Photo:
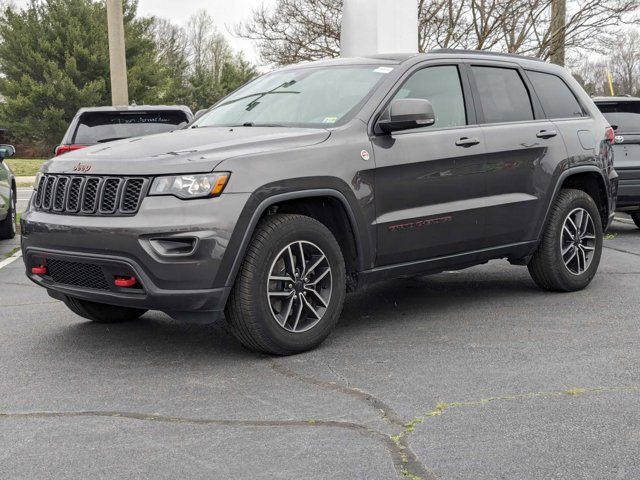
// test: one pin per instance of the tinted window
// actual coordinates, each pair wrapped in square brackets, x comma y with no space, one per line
[441,86]
[558,101]
[99,127]
[626,115]
[503,95]
[321,96]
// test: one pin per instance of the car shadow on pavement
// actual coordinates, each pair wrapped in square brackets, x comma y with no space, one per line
[410,301]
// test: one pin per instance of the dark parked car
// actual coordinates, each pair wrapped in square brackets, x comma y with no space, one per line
[96,125]
[322,178]
[8,195]
[623,113]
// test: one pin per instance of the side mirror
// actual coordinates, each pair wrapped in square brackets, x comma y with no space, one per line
[6,151]
[405,114]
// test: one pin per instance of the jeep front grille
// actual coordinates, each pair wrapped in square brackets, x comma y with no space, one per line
[90,195]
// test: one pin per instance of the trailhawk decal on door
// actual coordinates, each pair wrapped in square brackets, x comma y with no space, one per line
[420,223]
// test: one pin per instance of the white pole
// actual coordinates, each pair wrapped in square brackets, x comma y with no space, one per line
[117,54]
[379,26]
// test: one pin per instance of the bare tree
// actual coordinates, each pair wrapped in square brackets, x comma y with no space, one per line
[298,30]
[624,62]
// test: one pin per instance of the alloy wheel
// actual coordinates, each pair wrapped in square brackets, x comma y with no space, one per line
[578,241]
[299,286]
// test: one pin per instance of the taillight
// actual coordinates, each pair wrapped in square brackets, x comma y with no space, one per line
[62,149]
[610,134]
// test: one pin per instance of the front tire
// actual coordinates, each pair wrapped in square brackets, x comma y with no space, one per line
[101,313]
[290,290]
[8,225]
[635,216]
[569,254]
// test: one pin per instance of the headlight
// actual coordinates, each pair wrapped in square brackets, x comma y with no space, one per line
[191,186]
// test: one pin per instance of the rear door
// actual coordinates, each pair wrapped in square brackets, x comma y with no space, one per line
[426,185]
[522,151]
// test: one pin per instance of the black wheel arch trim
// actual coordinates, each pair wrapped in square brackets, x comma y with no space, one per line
[569,172]
[262,200]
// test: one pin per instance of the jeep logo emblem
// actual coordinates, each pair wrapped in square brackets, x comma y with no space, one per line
[82,168]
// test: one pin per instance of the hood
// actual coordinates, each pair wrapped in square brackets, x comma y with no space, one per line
[195,150]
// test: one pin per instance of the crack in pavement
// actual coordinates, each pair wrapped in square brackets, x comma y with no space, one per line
[409,466]
[402,462]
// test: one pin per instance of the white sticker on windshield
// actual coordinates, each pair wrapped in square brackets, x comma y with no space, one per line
[383,70]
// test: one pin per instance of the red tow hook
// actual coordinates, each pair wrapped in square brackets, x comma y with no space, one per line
[39,270]
[125,282]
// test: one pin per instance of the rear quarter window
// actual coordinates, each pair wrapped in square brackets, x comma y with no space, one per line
[557,99]
[101,127]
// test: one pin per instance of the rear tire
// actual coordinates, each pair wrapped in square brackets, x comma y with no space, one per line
[273,309]
[102,313]
[8,225]
[568,255]
[635,216]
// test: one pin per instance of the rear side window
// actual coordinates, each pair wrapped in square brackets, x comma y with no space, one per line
[503,95]
[624,115]
[101,127]
[558,101]
[441,86]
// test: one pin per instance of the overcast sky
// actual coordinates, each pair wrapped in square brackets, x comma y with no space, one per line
[226,13]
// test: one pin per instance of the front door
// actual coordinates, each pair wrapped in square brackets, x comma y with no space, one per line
[427,181]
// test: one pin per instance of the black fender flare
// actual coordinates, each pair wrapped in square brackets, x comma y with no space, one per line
[569,172]
[229,272]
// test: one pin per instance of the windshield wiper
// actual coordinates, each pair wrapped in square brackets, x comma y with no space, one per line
[106,140]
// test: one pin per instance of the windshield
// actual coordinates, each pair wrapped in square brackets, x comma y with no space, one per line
[306,97]
[625,115]
[101,127]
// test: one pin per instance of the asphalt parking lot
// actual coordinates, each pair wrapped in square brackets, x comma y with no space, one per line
[468,375]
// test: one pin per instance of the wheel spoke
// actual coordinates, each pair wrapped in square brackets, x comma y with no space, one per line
[292,262]
[567,249]
[281,278]
[281,294]
[315,265]
[568,261]
[287,312]
[308,305]
[303,261]
[318,297]
[320,277]
[298,314]
[575,228]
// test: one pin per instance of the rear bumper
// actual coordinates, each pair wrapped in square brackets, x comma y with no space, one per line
[89,252]
[628,189]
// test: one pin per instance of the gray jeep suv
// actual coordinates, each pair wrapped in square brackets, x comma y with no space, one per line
[321,178]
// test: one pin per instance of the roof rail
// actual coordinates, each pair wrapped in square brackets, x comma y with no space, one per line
[484,52]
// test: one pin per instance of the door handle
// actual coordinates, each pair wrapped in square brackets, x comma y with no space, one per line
[546,134]
[467,142]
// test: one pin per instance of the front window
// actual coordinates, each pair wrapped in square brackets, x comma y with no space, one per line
[305,97]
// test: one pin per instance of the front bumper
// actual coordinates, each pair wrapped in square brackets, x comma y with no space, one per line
[89,252]
[628,189]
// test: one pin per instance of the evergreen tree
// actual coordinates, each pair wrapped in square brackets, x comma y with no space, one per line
[54,57]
